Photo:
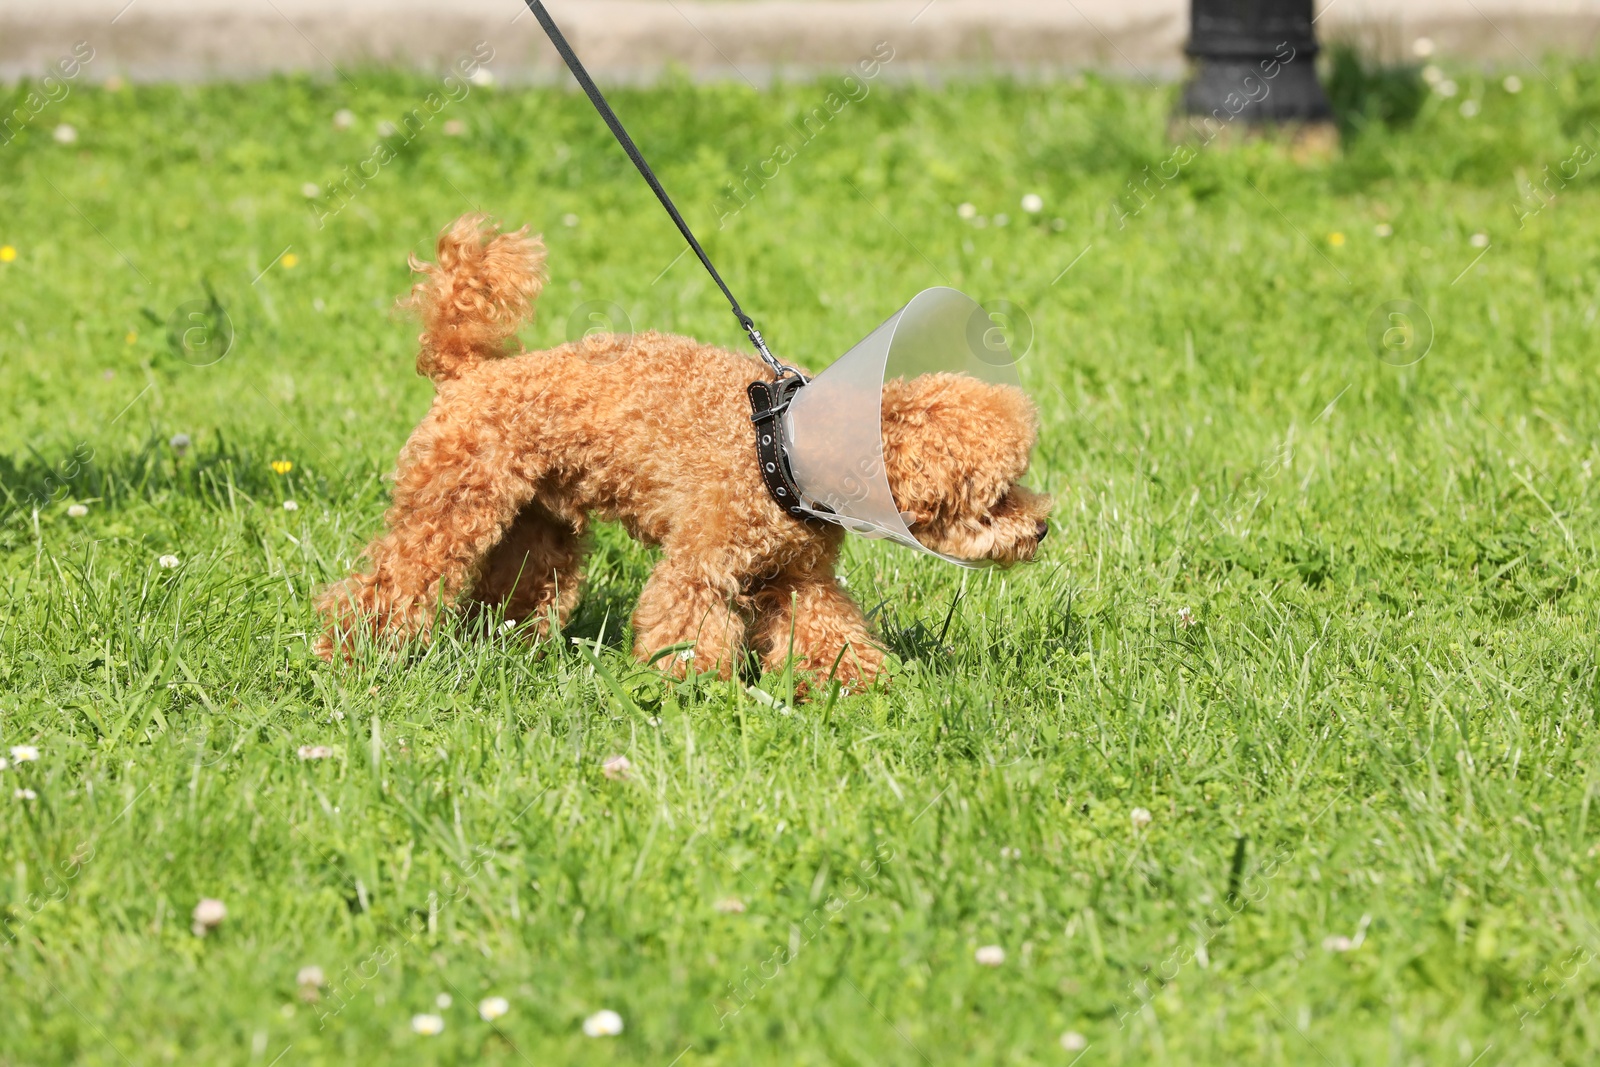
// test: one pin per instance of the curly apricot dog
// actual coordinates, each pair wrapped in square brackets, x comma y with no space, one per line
[521,450]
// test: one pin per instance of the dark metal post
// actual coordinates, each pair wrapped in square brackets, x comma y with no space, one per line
[1254,62]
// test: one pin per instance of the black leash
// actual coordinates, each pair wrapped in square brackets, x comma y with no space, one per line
[599,101]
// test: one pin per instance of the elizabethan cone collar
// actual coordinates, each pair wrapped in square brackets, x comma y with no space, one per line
[834,425]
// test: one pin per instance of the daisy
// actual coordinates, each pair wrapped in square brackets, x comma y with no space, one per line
[1033,203]
[343,119]
[310,976]
[1383,229]
[66,134]
[1338,943]
[1479,240]
[967,211]
[387,129]
[290,505]
[25,794]
[729,906]
[569,220]
[455,128]
[208,915]
[1141,818]
[604,1023]
[168,561]
[427,1025]
[1469,109]
[1512,84]
[1073,1041]
[1447,88]
[24,753]
[482,76]
[990,955]
[315,751]
[491,1008]
[1422,47]
[444,1000]
[617,768]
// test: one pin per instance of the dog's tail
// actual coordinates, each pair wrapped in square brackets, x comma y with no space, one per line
[473,299]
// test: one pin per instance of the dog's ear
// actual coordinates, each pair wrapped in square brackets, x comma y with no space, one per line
[953,443]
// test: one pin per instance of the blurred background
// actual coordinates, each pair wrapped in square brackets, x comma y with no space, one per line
[756,39]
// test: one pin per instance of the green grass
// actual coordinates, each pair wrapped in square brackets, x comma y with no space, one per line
[1383,719]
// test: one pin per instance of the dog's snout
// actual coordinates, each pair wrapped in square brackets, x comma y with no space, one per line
[1044,528]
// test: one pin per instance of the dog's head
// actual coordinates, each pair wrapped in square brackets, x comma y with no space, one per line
[954,448]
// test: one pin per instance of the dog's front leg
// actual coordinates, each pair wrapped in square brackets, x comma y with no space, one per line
[683,604]
[806,614]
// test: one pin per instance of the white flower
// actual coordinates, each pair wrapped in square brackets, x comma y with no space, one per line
[1073,1041]
[967,211]
[24,753]
[208,915]
[508,626]
[168,561]
[1512,84]
[179,443]
[310,976]
[3,763]
[491,1008]
[454,128]
[1009,853]
[1001,219]
[603,1023]
[444,1000]
[1479,240]
[77,511]
[1033,203]
[1186,617]
[482,76]
[1422,47]
[25,794]
[66,134]
[427,1025]
[569,220]
[616,768]
[1432,74]
[1447,88]
[990,955]
[1338,943]
[686,655]
[310,190]
[315,751]
[1141,818]
[1383,229]
[729,905]
[343,119]
[387,129]
[290,505]
[1469,109]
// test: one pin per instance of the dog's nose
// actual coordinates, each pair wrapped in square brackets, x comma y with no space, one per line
[1044,528]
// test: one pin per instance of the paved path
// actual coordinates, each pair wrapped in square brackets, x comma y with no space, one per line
[753,39]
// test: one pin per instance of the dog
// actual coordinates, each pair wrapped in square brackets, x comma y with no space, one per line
[521,451]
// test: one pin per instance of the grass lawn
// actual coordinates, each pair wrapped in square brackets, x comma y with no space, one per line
[1310,655]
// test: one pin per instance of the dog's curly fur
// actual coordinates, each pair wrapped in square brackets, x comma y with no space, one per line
[519,452]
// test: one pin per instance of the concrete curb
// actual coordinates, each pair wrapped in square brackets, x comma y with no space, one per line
[757,40]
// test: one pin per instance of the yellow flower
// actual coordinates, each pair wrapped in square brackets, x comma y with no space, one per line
[132,336]
[282,466]
[7,253]
[289,260]
[1336,239]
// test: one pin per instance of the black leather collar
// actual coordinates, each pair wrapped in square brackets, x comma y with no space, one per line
[768,401]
